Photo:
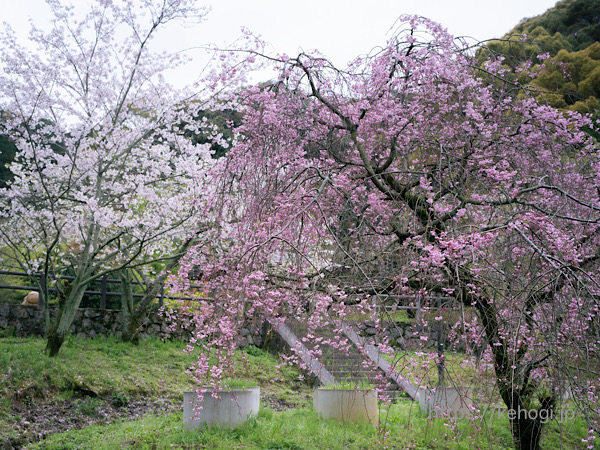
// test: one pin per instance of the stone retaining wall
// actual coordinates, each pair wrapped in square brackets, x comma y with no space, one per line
[91,322]
[403,334]
[88,323]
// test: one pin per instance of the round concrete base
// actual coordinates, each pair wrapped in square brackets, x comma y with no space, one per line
[347,405]
[447,400]
[233,408]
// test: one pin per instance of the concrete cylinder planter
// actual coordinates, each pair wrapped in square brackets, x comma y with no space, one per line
[448,400]
[347,405]
[234,407]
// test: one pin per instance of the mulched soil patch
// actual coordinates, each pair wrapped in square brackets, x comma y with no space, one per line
[39,420]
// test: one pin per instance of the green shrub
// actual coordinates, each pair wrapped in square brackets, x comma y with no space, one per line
[118,399]
[89,406]
[8,332]
[254,351]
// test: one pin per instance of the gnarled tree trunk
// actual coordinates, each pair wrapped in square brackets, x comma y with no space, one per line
[133,316]
[58,330]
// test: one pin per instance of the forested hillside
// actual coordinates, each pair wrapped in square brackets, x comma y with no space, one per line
[575,23]
[561,49]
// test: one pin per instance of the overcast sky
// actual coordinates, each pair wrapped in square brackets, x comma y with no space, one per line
[340,29]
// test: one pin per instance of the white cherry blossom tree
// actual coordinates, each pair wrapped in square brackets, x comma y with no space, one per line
[104,177]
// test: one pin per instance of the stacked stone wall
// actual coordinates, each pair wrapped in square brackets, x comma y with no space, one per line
[405,335]
[88,322]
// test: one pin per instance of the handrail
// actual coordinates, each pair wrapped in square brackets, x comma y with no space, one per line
[103,293]
[314,366]
[374,355]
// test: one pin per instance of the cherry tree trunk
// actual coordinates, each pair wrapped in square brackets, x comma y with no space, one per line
[131,332]
[58,331]
[526,433]
[130,320]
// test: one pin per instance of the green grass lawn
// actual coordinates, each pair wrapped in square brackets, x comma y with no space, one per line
[105,367]
[421,368]
[403,427]
[90,372]
[100,365]
[117,372]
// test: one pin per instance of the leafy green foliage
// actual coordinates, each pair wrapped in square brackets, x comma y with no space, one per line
[13,295]
[119,399]
[578,21]
[223,122]
[88,406]
[8,332]
[569,33]
[539,40]
[252,350]
[571,25]
[571,80]
[7,155]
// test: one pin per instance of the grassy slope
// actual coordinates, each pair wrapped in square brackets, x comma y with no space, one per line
[97,365]
[113,371]
[156,369]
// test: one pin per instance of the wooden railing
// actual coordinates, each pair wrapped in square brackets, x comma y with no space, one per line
[103,292]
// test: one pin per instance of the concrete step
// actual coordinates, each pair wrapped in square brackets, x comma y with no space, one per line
[351,379]
[347,367]
[394,396]
[354,356]
[341,362]
[341,374]
[337,366]
[343,367]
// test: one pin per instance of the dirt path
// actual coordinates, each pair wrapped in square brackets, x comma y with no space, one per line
[39,420]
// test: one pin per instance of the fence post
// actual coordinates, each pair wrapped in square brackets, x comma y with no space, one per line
[161,299]
[103,292]
[375,308]
[42,296]
[441,365]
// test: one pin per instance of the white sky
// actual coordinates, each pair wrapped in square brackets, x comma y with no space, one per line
[343,29]
[340,29]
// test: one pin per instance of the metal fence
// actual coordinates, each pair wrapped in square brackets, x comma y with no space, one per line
[410,303]
[104,293]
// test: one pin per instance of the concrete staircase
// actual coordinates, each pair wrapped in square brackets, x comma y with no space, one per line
[334,366]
